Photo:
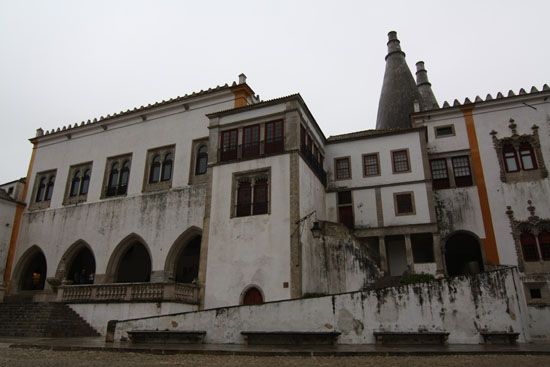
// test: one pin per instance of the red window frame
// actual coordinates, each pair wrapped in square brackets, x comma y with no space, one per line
[228,145]
[274,137]
[529,247]
[251,141]
[440,182]
[526,150]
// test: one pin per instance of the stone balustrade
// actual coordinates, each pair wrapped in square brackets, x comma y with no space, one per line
[129,292]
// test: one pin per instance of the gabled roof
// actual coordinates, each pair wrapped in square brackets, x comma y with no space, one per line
[4,196]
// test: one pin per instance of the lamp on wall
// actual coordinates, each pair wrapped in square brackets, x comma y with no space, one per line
[316,229]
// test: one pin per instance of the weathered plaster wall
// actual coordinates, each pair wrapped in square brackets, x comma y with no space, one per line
[422,210]
[539,322]
[461,306]
[458,209]
[99,314]
[158,218]
[364,208]
[7,214]
[252,250]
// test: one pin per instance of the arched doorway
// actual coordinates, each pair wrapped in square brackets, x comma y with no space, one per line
[187,264]
[252,296]
[463,254]
[134,265]
[81,269]
[33,273]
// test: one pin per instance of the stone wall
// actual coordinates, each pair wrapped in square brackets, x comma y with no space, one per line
[461,306]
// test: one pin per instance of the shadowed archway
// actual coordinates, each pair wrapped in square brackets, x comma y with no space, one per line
[130,262]
[252,295]
[77,265]
[30,272]
[182,261]
[463,254]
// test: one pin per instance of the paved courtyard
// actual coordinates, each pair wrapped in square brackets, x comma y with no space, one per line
[14,357]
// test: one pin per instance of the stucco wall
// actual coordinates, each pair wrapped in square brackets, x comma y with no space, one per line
[251,250]
[461,306]
[7,214]
[158,218]
[99,314]
[459,209]
[539,322]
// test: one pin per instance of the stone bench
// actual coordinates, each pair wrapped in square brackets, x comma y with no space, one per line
[499,337]
[290,337]
[166,336]
[415,337]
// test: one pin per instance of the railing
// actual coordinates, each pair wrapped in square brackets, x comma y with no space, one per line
[129,292]
[251,150]
[314,164]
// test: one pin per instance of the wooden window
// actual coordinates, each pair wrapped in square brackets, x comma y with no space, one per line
[345,209]
[443,131]
[78,183]
[252,297]
[41,190]
[527,155]
[343,168]
[544,245]
[510,158]
[244,198]
[251,141]
[529,247]
[167,165]
[260,196]
[535,293]
[371,165]
[201,164]
[462,171]
[404,203]
[440,174]
[49,188]
[400,161]
[154,171]
[229,146]
[274,137]
[117,173]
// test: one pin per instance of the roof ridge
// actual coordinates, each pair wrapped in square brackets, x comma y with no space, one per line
[139,109]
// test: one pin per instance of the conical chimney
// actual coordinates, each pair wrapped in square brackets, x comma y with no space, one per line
[425,87]
[399,91]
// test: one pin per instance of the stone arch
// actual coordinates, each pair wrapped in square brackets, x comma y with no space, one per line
[182,260]
[252,295]
[77,257]
[31,270]
[130,261]
[463,253]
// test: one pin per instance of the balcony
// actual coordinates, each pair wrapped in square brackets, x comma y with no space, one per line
[251,150]
[129,292]
[314,164]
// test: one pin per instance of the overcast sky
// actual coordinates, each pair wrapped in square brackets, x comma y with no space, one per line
[63,62]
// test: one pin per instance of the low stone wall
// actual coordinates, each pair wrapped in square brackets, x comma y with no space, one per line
[462,306]
[98,314]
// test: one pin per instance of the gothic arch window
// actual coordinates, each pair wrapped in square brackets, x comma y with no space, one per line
[251,193]
[544,245]
[117,175]
[201,164]
[78,184]
[159,166]
[43,190]
[252,296]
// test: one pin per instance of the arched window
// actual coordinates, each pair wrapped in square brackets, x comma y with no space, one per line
[544,244]
[124,176]
[167,168]
[253,296]
[113,180]
[49,188]
[154,173]
[85,183]
[527,155]
[529,247]
[510,158]
[75,184]
[41,190]
[202,160]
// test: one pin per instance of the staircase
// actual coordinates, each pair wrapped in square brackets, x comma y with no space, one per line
[42,320]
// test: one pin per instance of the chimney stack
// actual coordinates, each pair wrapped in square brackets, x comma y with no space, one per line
[242,79]
[39,132]
[425,87]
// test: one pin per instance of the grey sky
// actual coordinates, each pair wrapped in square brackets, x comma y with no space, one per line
[63,62]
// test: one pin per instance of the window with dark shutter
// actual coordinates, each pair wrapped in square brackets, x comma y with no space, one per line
[345,209]
[404,203]
[462,171]
[529,247]
[440,175]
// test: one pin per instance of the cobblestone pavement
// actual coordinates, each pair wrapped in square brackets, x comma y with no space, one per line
[36,357]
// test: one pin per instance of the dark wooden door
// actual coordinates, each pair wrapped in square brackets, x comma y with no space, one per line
[253,297]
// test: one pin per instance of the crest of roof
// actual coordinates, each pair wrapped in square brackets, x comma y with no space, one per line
[357,135]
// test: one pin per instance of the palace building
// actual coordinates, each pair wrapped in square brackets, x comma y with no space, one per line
[218,198]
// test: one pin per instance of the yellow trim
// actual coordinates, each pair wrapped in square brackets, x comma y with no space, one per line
[489,242]
[17,223]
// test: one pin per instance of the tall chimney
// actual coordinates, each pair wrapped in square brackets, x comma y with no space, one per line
[242,78]
[425,87]
[399,91]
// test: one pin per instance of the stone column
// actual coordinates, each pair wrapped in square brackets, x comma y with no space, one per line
[383,255]
[409,252]
[438,255]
